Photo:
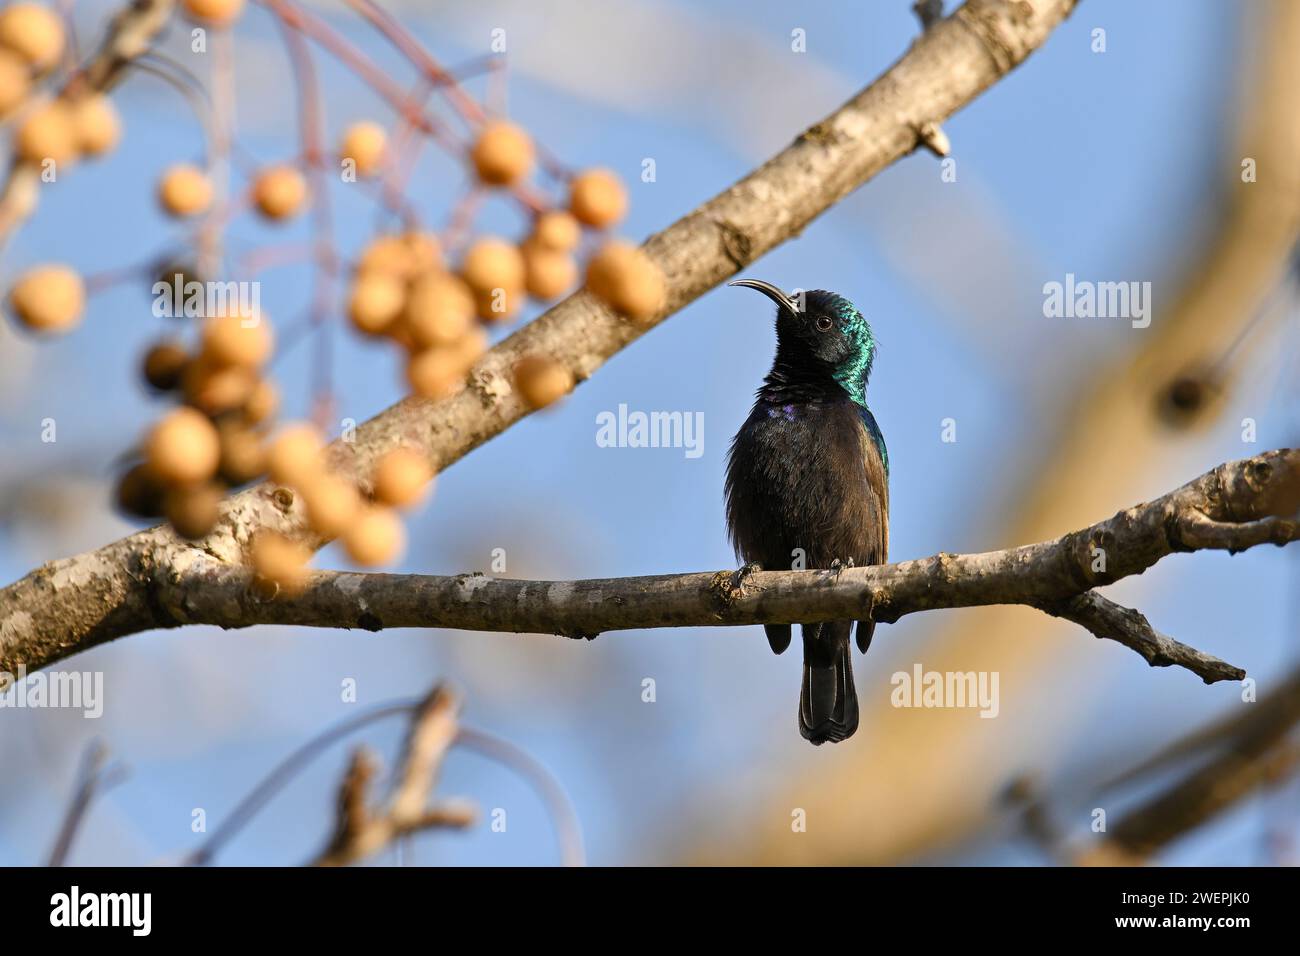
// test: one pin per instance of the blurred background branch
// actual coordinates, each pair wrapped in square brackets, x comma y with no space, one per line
[363,825]
[363,828]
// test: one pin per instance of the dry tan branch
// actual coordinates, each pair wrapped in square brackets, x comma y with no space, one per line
[363,829]
[1246,502]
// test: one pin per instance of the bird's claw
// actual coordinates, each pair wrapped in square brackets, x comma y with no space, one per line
[730,588]
[839,566]
[742,574]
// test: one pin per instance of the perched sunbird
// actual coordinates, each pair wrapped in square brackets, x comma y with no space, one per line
[808,483]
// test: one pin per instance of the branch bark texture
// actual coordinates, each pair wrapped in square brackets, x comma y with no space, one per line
[1236,506]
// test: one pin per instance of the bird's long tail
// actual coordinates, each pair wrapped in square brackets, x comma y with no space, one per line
[828,702]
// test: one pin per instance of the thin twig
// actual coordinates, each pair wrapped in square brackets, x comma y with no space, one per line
[93,778]
[560,808]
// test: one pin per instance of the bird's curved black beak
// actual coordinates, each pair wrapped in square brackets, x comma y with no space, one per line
[771,291]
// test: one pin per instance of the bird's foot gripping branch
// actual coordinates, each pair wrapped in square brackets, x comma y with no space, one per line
[73,604]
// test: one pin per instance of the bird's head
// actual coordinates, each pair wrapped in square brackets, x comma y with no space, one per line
[820,333]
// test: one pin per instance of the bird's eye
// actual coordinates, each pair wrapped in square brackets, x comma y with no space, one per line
[824,323]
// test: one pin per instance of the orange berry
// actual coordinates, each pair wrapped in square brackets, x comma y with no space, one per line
[627,279]
[98,129]
[15,81]
[558,230]
[547,272]
[541,380]
[503,154]
[242,456]
[262,403]
[424,252]
[164,365]
[439,310]
[375,537]
[400,478]
[332,504]
[403,256]
[139,493]
[214,388]
[48,133]
[246,341]
[280,192]
[401,335]
[376,302]
[183,448]
[492,263]
[33,32]
[471,348]
[185,190]
[365,144]
[436,372]
[597,198]
[386,254]
[48,298]
[606,269]
[280,561]
[499,305]
[193,510]
[296,455]
[216,12]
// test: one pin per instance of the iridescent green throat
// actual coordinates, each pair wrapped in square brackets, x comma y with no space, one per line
[852,373]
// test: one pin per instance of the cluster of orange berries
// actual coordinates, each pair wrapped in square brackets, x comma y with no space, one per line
[278,192]
[218,439]
[371,532]
[48,298]
[63,129]
[402,289]
[215,440]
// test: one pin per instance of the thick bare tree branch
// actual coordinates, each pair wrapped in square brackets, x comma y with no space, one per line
[1248,502]
[75,603]
[1243,501]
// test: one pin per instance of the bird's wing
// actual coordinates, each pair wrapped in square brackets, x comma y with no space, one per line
[876,502]
[877,461]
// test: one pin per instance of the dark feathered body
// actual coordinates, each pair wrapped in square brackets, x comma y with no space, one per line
[808,477]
